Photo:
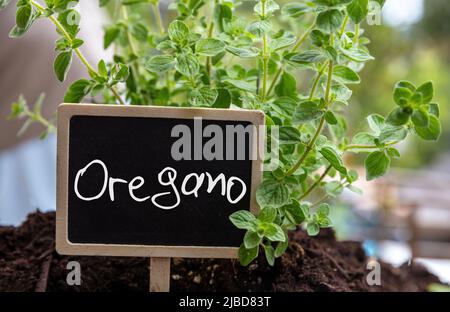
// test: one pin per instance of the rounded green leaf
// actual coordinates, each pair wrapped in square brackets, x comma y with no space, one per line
[294,212]
[251,239]
[259,28]
[330,20]
[160,63]
[61,65]
[223,99]
[345,75]
[313,228]
[306,111]
[270,254]
[243,219]
[274,232]
[287,86]
[178,31]
[272,193]
[295,9]
[427,92]
[399,116]
[281,248]
[77,91]
[209,47]
[333,158]
[358,10]
[246,256]
[187,65]
[377,164]
[392,133]
[204,96]
[24,15]
[420,118]
[267,214]
[289,135]
[432,132]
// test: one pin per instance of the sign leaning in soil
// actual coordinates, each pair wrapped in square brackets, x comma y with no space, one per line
[153,181]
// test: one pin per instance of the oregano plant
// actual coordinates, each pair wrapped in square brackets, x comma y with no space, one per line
[214,55]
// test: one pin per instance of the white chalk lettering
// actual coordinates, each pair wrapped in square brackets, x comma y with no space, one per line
[191,184]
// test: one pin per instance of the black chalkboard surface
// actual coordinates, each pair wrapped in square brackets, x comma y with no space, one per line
[121,191]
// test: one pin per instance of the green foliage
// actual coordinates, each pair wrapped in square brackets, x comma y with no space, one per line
[209,56]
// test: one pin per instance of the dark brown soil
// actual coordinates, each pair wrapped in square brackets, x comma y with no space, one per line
[28,262]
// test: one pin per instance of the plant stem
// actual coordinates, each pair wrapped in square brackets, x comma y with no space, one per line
[78,52]
[133,50]
[316,83]
[329,79]
[357,34]
[210,34]
[129,38]
[300,41]
[344,26]
[157,13]
[265,56]
[265,68]
[316,184]
[311,143]
[356,146]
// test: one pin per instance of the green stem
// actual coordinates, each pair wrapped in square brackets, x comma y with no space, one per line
[316,83]
[356,146]
[357,34]
[329,79]
[265,56]
[344,26]
[78,52]
[316,184]
[265,69]
[298,44]
[157,14]
[129,38]
[210,34]
[311,143]
[133,50]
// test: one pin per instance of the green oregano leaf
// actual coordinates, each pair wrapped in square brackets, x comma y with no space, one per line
[62,64]
[246,256]
[209,47]
[357,10]
[160,63]
[270,254]
[243,219]
[251,239]
[431,132]
[377,164]
[333,158]
[330,20]
[77,91]
[272,193]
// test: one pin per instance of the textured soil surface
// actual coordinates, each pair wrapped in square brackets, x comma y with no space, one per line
[28,262]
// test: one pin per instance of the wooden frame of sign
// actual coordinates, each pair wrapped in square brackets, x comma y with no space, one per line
[160,255]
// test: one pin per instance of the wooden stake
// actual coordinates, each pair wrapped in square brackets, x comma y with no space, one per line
[159,274]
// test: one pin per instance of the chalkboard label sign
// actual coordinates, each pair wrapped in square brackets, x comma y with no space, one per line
[154,181]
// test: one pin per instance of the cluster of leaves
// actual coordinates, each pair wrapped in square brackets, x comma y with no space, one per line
[210,56]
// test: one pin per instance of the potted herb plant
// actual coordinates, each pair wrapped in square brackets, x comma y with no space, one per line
[213,55]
